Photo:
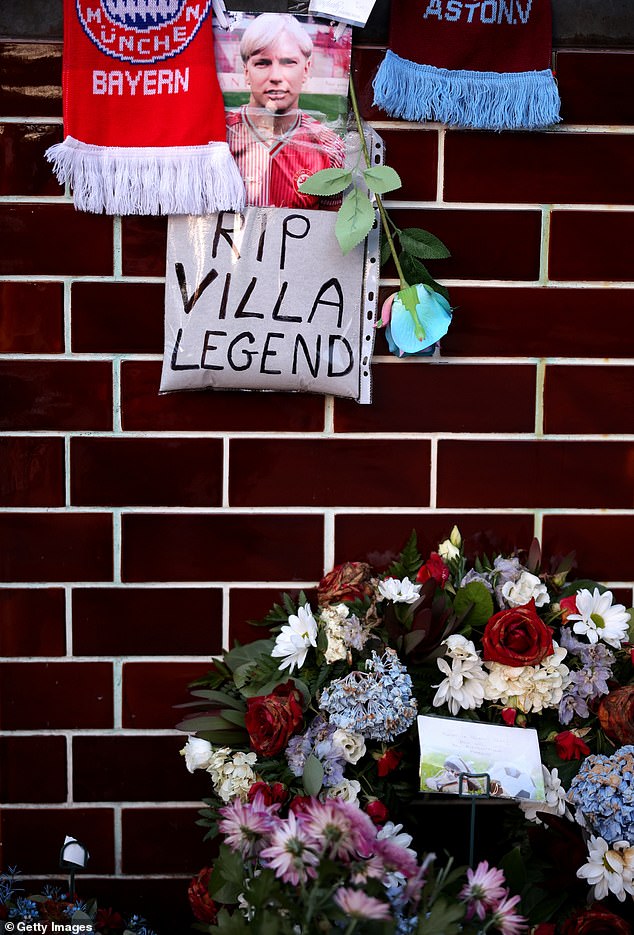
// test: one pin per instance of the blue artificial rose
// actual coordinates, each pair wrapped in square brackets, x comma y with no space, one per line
[417,319]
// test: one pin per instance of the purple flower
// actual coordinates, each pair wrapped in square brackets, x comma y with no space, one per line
[572,703]
[245,825]
[291,853]
[483,890]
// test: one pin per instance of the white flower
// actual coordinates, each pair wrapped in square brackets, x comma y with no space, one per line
[352,746]
[599,619]
[332,619]
[609,870]
[294,640]
[197,753]
[555,803]
[527,586]
[395,833]
[232,777]
[463,686]
[347,790]
[459,647]
[529,688]
[400,592]
[450,548]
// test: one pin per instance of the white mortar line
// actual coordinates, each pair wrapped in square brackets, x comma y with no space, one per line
[117,546]
[68,606]
[117,427]
[329,416]
[117,694]
[433,473]
[538,525]
[329,540]
[440,169]
[225,471]
[545,244]
[540,379]
[117,249]
[226,617]
[118,839]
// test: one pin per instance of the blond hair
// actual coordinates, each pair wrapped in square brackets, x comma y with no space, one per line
[264,30]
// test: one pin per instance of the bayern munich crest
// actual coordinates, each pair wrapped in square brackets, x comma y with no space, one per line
[142,31]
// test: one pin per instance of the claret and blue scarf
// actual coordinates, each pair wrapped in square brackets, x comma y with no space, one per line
[470,63]
[144,117]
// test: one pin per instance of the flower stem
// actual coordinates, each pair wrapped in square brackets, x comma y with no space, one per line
[385,220]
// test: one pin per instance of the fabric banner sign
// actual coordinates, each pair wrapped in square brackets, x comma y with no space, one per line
[143,113]
[265,301]
[482,64]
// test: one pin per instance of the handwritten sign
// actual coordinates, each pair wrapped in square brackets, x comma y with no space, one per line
[265,300]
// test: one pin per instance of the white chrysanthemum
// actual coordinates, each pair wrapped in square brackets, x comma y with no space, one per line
[399,592]
[347,790]
[197,753]
[598,618]
[294,640]
[463,686]
[459,647]
[233,776]
[527,587]
[555,803]
[529,688]
[609,869]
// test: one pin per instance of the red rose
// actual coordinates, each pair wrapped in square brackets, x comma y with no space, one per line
[272,719]
[596,921]
[568,606]
[202,905]
[509,716]
[347,582]
[270,793]
[434,568]
[388,762]
[570,747]
[517,637]
[377,811]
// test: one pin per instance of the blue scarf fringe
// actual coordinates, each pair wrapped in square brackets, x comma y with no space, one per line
[484,100]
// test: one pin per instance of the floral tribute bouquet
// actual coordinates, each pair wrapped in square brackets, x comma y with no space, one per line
[309,740]
[37,912]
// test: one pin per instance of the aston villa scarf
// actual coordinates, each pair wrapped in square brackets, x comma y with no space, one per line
[470,63]
[144,119]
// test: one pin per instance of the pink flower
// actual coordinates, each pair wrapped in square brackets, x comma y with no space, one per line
[506,920]
[245,824]
[331,829]
[483,890]
[358,905]
[291,853]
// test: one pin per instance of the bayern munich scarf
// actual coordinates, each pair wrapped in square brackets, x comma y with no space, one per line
[470,63]
[144,119]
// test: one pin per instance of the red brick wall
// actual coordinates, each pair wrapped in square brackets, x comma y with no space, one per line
[139,532]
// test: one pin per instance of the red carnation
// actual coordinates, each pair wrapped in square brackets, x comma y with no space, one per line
[272,719]
[202,905]
[277,792]
[570,747]
[298,804]
[388,762]
[568,606]
[377,811]
[434,568]
[517,637]
[347,582]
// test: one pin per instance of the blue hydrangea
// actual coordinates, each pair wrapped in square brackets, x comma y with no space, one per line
[603,791]
[378,704]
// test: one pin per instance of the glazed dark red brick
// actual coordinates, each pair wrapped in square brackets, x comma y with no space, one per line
[539,167]
[146,471]
[379,538]
[217,548]
[602,544]
[484,244]
[253,604]
[580,399]
[490,321]
[540,474]
[32,622]
[117,317]
[163,840]
[31,79]
[54,239]
[129,621]
[32,316]
[417,175]
[143,241]
[31,471]
[430,396]
[23,168]
[365,63]
[328,472]
[114,769]
[22,759]
[151,690]
[20,828]
[55,394]
[591,245]
[55,695]
[55,547]
[595,86]
[212,411]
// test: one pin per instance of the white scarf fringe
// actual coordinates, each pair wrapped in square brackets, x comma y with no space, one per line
[149,180]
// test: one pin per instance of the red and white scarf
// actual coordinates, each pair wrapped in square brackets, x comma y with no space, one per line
[144,118]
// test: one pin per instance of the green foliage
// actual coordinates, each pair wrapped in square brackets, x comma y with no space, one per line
[327,182]
[313,776]
[381,179]
[421,243]
[408,562]
[444,918]
[473,604]
[355,220]
[415,272]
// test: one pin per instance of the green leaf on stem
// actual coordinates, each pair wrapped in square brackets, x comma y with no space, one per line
[473,604]
[313,775]
[414,271]
[327,182]
[421,243]
[382,179]
[354,220]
